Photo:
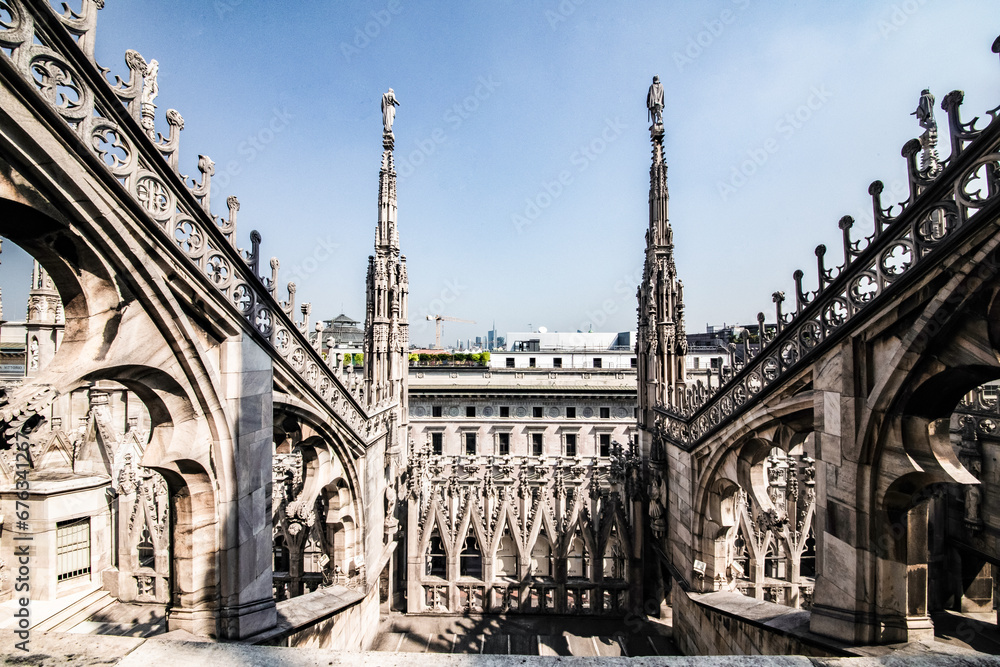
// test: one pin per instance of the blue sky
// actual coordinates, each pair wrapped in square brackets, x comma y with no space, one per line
[522,141]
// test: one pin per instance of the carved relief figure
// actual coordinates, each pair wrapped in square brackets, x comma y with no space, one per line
[150,89]
[973,496]
[33,355]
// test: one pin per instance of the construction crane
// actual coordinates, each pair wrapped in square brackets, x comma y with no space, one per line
[438,319]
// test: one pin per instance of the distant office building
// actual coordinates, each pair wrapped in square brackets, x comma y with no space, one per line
[570,350]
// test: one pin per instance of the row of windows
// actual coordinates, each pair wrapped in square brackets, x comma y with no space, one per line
[537,412]
[695,362]
[557,362]
[502,444]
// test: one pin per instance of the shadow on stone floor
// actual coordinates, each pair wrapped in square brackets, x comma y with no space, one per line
[523,635]
[967,630]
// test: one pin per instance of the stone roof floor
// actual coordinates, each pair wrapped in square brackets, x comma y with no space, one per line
[178,648]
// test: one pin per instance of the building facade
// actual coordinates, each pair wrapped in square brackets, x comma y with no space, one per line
[519,490]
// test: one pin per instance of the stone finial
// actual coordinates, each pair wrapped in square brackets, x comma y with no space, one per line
[850,247]
[306,309]
[136,62]
[275,265]
[801,298]
[881,215]
[203,190]
[175,118]
[289,306]
[821,271]
[778,298]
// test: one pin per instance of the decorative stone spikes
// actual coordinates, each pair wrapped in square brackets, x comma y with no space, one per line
[903,235]
[203,190]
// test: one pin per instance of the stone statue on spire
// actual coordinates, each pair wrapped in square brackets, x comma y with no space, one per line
[929,163]
[389,104]
[925,110]
[150,88]
[654,102]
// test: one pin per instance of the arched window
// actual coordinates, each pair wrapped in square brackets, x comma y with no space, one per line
[506,563]
[147,555]
[471,559]
[741,555]
[541,557]
[774,562]
[807,563]
[614,557]
[578,558]
[312,556]
[436,560]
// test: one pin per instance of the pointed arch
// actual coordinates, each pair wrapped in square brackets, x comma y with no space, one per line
[507,522]
[577,524]
[471,521]
[615,521]
[470,557]
[543,520]
[435,520]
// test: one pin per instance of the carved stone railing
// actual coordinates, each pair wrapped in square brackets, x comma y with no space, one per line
[946,199]
[116,122]
[587,485]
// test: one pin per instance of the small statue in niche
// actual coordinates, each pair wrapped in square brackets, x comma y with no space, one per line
[973,499]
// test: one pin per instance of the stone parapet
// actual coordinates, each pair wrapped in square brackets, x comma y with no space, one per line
[173,649]
[725,623]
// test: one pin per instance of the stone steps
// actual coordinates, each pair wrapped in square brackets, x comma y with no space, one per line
[125,619]
[76,612]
